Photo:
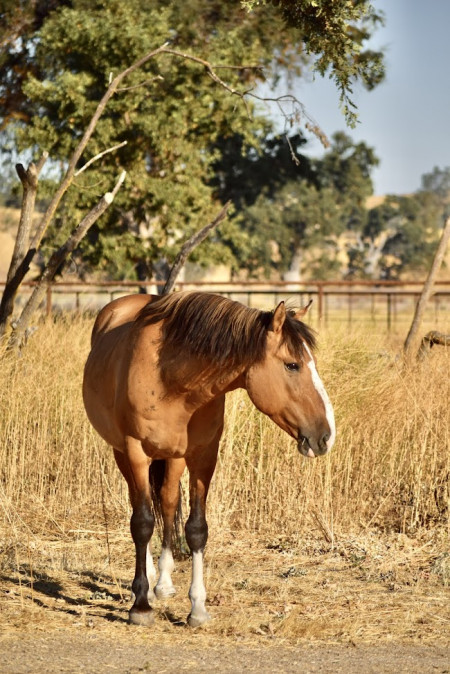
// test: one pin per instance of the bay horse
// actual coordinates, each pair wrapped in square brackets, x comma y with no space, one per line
[154,389]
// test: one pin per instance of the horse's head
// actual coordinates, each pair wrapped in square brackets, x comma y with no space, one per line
[289,390]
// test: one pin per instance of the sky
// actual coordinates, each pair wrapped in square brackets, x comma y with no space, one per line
[406,119]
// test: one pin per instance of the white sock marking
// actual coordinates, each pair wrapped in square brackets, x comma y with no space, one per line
[197,591]
[164,586]
[150,567]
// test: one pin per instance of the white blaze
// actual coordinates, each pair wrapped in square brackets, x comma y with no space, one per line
[320,388]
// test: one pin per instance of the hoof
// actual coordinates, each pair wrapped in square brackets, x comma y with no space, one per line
[144,618]
[164,592]
[198,620]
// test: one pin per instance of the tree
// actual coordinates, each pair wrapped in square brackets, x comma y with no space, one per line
[27,245]
[289,207]
[403,231]
[438,182]
[334,32]
[172,118]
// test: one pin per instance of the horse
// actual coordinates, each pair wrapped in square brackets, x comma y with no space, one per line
[154,389]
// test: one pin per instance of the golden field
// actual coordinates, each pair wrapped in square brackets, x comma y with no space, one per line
[351,547]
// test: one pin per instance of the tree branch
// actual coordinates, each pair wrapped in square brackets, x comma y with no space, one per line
[69,175]
[295,116]
[58,259]
[430,339]
[189,246]
[29,179]
[98,156]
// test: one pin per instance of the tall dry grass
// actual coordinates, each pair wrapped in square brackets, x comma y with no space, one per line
[389,469]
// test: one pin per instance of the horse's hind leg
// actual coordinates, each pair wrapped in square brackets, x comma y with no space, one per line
[135,468]
[169,497]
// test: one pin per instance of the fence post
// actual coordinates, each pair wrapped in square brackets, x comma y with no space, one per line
[320,301]
[48,309]
[389,312]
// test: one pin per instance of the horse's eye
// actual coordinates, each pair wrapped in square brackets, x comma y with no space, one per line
[292,367]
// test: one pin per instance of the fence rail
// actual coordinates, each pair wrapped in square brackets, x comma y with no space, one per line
[333,300]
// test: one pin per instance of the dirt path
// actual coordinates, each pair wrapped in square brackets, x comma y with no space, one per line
[89,653]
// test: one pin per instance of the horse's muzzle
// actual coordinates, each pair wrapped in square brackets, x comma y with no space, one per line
[311,447]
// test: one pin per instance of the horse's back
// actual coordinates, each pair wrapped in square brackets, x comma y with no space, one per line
[119,312]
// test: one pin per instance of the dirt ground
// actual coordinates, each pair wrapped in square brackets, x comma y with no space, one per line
[367,604]
[78,652]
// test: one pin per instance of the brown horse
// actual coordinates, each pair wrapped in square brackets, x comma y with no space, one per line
[154,388]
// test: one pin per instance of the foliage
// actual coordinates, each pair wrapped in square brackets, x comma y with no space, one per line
[59,57]
[304,205]
[334,32]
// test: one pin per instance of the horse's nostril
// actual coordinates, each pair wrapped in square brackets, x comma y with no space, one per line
[323,440]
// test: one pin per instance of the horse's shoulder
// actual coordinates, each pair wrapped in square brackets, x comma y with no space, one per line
[119,312]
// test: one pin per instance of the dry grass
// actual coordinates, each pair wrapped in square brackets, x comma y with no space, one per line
[350,547]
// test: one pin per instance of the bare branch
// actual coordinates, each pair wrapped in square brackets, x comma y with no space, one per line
[299,110]
[57,260]
[189,246]
[208,67]
[111,90]
[29,179]
[141,84]
[430,339]
[68,178]
[294,157]
[98,156]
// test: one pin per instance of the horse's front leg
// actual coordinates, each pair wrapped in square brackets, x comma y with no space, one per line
[125,468]
[142,524]
[169,498]
[201,468]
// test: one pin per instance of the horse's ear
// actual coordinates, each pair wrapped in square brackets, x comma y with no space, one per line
[278,318]
[299,313]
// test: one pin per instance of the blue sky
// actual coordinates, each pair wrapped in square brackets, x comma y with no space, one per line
[407,118]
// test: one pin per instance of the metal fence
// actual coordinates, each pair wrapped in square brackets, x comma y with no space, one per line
[387,304]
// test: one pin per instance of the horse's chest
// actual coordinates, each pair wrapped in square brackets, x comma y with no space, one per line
[162,433]
[170,430]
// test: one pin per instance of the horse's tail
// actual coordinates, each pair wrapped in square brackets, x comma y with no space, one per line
[156,475]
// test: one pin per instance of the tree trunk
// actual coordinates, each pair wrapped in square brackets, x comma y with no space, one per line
[426,291]
[16,273]
[293,274]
